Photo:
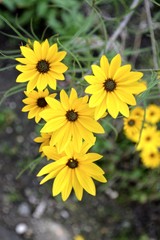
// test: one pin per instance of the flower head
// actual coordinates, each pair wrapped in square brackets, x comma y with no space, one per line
[70,118]
[36,103]
[149,139]
[138,112]
[41,65]
[44,140]
[153,114]
[132,127]
[151,158]
[72,170]
[113,87]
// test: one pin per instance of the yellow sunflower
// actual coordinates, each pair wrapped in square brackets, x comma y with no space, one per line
[36,103]
[42,65]
[153,113]
[70,118]
[151,158]
[72,169]
[149,139]
[132,127]
[113,87]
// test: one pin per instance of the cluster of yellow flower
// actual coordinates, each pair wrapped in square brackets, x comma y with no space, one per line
[70,122]
[142,128]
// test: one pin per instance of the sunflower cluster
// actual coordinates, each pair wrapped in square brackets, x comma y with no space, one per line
[141,127]
[70,122]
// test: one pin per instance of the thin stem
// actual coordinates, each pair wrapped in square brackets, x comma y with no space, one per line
[153,42]
[122,25]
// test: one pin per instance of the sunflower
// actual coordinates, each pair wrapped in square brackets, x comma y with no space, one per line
[113,87]
[41,65]
[35,103]
[149,139]
[72,169]
[153,114]
[132,127]
[70,118]
[151,158]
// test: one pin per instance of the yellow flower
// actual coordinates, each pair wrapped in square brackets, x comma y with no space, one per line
[149,139]
[36,103]
[138,112]
[70,118]
[153,114]
[132,127]
[44,139]
[79,237]
[151,158]
[72,169]
[41,65]
[113,87]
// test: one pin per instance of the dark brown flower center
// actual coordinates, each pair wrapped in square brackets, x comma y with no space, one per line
[148,138]
[152,113]
[71,115]
[41,102]
[72,163]
[42,66]
[109,85]
[152,155]
[131,122]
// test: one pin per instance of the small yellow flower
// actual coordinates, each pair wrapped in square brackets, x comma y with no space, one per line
[138,112]
[113,87]
[72,169]
[70,118]
[132,127]
[44,139]
[149,139]
[36,103]
[79,237]
[150,158]
[153,114]
[42,65]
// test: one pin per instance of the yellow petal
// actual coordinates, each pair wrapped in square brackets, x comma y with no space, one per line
[85,181]
[114,65]
[93,88]
[123,108]
[59,56]
[29,54]
[125,96]
[100,109]
[52,52]
[91,124]
[68,185]
[121,71]
[100,75]
[37,50]
[77,187]
[54,124]
[41,82]
[45,49]
[112,104]
[97,98]
[104,64]
[99,178]
[59,182]
[31,85]
[58,67]
[91,79]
